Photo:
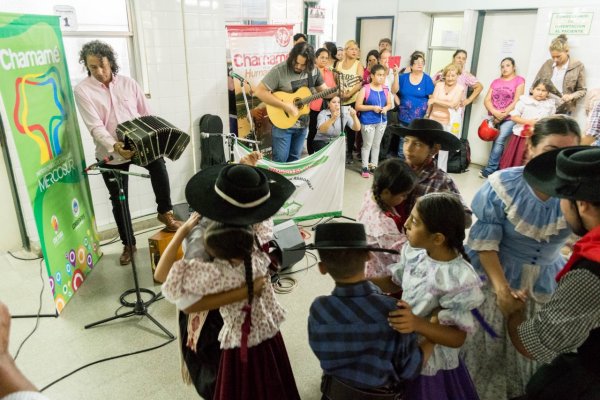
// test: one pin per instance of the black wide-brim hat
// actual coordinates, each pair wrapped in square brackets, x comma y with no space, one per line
[342,236]
[428,130]
[237,194]
[569,173]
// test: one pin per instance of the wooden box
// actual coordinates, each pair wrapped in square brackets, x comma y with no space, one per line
[157,244]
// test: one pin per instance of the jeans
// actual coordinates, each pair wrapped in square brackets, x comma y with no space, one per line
[372,134]
[160,185]
[288,143]
[506,128]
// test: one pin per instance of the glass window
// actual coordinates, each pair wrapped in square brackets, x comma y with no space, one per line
[446,31]
[438,59]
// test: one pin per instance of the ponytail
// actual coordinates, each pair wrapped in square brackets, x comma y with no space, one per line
[249,278]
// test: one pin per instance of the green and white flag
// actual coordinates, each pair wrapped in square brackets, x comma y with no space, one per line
[319,181]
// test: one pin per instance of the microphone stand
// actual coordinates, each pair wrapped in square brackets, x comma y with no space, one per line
[248,115]
[139,307]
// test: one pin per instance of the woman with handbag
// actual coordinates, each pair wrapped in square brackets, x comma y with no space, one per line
[444,106]
[500,100]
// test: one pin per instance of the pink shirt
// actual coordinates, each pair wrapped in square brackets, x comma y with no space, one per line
[467,80]
[381,232]
[440,113]
[503,91]
[103,108]
[329,79]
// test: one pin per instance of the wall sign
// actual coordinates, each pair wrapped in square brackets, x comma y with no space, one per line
[571,23]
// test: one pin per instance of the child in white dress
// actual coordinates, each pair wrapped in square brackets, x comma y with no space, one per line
[440,288]
[527,111]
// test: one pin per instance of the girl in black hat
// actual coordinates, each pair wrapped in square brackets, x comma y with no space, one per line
[254,362]
[235,194]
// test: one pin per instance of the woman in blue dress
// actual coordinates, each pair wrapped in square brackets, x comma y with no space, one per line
[515,244]
[414,89]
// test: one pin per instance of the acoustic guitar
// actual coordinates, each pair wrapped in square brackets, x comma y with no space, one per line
[301,98]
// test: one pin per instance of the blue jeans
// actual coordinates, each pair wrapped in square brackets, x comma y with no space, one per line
[288,143]
[496,153]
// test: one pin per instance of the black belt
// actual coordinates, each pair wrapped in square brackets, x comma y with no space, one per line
[334,389]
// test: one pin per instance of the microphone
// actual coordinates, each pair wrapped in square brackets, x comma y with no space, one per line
[102,163]
[206,135]
[236,76]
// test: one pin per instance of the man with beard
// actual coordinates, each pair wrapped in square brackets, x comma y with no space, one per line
[565,333]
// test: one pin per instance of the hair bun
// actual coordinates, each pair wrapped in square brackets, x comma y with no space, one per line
[562,37]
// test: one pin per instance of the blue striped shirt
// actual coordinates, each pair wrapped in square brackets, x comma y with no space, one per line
[350,335]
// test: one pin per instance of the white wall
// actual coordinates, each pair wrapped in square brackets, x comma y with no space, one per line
[413,25]
[184,46]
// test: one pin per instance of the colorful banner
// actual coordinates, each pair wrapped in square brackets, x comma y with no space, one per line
[253,51]
[319,181]
[39,117]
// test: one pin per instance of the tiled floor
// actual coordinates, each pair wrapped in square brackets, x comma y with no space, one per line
[60,345]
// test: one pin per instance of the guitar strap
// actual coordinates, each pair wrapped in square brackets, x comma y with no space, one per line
[311,82]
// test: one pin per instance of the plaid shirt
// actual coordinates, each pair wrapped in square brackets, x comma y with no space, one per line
[565,322]
[430,179]
[350,335]
[593,125]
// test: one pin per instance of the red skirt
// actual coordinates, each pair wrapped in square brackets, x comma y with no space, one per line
[266,376]
[514,152]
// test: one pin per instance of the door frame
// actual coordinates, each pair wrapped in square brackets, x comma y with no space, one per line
[359,24]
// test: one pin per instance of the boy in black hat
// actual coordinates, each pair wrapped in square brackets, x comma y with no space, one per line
[423,139]
[360,354]
[565,333]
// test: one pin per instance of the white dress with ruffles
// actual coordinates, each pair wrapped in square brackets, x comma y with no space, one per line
[428,284]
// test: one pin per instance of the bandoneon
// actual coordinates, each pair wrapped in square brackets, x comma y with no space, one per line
[152,137]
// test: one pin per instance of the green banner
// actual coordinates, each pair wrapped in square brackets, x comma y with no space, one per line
[39,115]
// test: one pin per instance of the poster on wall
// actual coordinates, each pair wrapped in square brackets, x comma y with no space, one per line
[38,112]
[253,51]
[316,21]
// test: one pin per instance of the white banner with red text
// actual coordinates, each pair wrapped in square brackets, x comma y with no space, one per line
[253,51]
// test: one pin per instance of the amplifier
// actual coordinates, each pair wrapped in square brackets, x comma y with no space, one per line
[157,244]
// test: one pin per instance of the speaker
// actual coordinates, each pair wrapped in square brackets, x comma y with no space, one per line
[285,236]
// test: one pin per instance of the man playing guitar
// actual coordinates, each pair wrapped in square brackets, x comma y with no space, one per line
[288,77]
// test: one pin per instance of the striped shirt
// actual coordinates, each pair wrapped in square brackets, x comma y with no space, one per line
[350,335]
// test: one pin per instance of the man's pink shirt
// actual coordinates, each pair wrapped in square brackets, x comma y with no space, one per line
[103,108]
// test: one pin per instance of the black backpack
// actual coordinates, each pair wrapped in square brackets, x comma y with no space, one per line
[459,160]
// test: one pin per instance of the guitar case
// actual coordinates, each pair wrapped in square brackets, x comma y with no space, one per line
[212,151]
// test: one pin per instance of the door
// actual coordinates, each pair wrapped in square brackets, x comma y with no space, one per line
[369,30]
[505,34]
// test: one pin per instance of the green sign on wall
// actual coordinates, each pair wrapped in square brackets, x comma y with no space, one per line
[39,115]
